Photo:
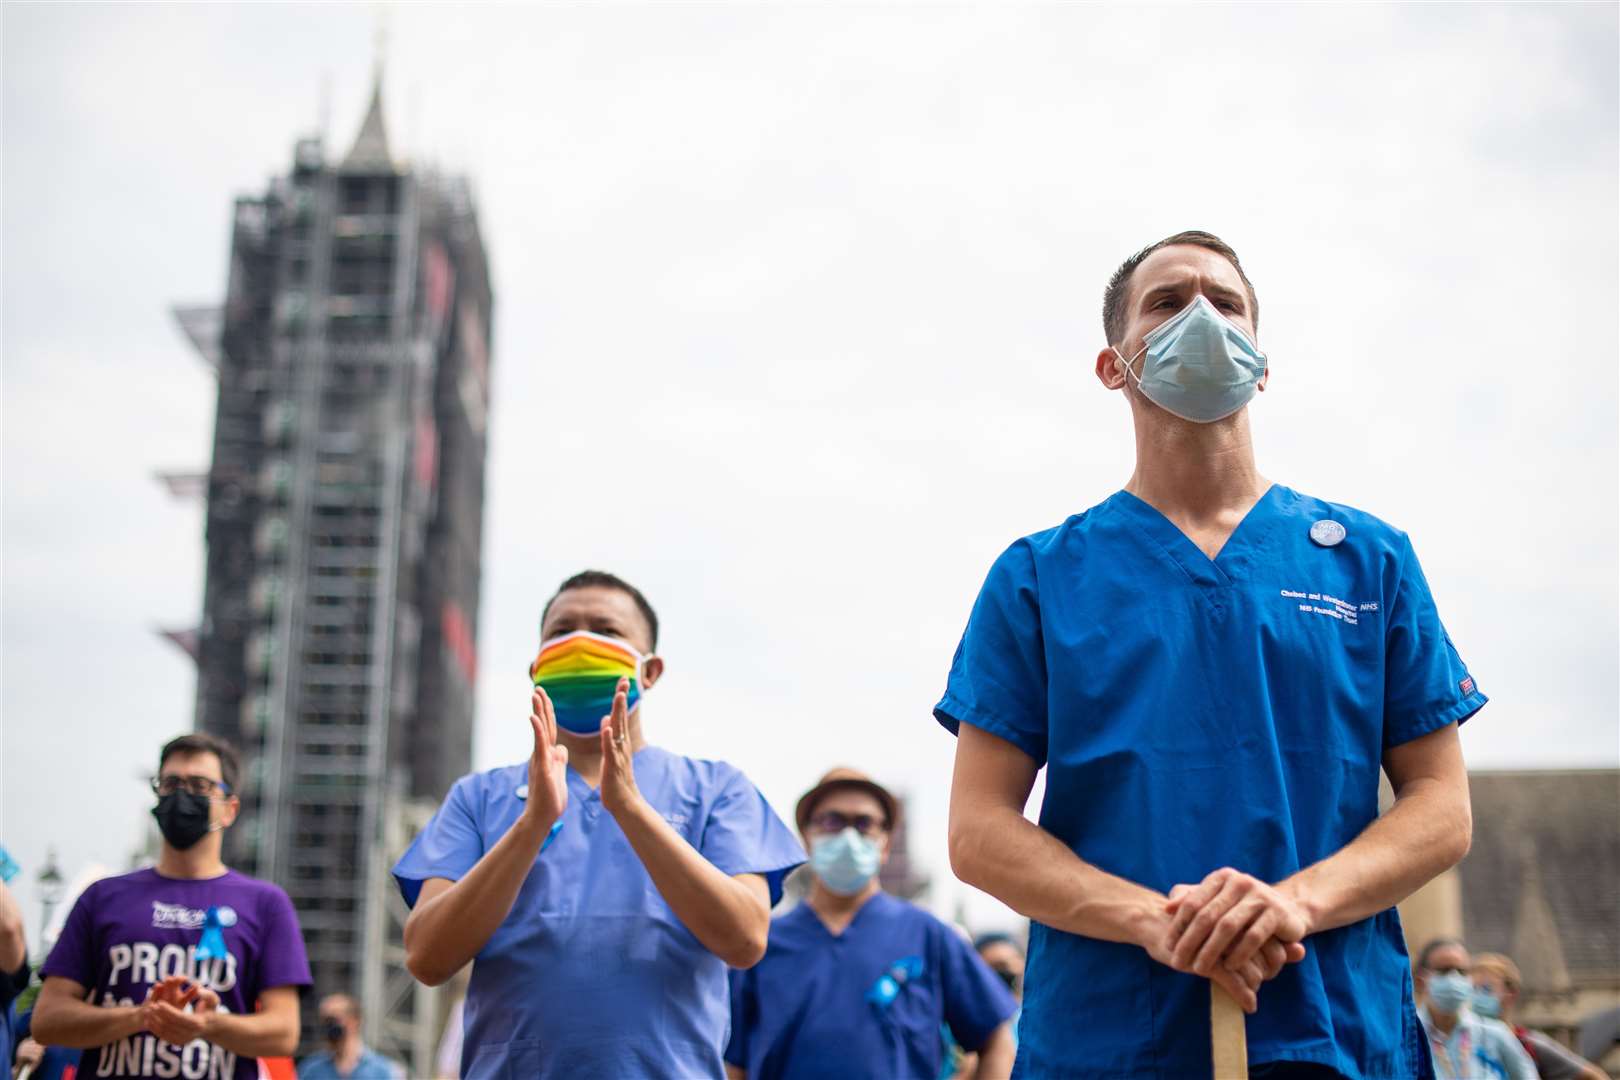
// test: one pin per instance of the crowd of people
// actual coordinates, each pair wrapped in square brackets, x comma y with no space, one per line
[1467,1008]
[1212,669]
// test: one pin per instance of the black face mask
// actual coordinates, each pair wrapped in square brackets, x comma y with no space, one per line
[1007,977]
[335,1031]
[182,818]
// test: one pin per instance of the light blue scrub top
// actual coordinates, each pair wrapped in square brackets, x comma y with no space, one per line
[1194,714]
[592,974]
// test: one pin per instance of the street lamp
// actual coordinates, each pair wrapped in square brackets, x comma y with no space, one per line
[50,891]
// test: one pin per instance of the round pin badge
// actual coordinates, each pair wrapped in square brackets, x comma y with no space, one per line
[1327,532]
[522,791]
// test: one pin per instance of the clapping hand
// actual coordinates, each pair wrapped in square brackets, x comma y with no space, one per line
[165,1014]
[619,791]
[548,766]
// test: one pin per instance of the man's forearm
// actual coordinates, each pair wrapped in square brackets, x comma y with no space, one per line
[13,935]
[1425,833]
[996,1055]
[446,931]
[256,1035]
[721,912]
[72,1023]
[1034,873]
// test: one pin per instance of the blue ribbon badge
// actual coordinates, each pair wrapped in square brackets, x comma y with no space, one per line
[891,982]
[212,945]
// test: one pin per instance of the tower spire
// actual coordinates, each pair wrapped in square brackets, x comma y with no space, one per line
[370,150]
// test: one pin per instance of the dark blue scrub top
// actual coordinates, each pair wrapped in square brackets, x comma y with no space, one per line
[1195,714]
[809,1010]
[591,974]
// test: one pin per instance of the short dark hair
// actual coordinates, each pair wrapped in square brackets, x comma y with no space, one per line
[586,579]
[996,937]
[1436,943]
[1114,315]
[200,742]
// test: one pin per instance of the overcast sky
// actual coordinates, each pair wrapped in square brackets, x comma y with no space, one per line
[796,309]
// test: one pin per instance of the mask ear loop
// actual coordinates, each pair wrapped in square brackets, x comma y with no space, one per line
[1129,374]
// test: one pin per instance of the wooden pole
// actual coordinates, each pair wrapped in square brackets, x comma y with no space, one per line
[1228,1040]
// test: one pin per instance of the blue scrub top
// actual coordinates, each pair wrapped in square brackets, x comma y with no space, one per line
[814,1008]
[592,974]
[1194,714]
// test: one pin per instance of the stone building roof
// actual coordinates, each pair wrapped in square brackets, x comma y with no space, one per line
[1542,882]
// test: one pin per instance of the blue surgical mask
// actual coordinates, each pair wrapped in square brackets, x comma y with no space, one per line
[1450,992]
[1200,365]
[1485,1003]
[845,862]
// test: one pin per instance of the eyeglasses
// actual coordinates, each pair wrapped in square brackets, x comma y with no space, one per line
[169,783]
[831,821]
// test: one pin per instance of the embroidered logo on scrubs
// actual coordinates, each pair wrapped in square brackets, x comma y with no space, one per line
[1318,603]
[1466,686]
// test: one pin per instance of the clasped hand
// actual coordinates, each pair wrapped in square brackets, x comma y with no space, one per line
[1234,929]
[165,1015]
[548,765]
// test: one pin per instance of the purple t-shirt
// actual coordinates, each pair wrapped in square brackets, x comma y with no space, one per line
[129,932]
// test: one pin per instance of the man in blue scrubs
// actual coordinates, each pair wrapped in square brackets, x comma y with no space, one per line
[601,889]
[856,983]
[1212,668]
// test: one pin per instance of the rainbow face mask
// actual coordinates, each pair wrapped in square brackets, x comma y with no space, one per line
[579,673]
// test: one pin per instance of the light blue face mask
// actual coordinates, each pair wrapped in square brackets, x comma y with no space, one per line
[846,862]
[1200,365]
[1485,1003]
[1448,993]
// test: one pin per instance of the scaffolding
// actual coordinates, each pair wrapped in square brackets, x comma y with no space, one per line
[345,505]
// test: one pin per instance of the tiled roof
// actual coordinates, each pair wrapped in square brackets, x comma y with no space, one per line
[1542,882]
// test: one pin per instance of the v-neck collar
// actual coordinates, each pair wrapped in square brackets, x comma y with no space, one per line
[1231,562]
[589,792]
[860,912]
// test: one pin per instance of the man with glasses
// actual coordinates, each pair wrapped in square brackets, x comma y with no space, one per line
[187,968]
[857,983]
[1463,1044]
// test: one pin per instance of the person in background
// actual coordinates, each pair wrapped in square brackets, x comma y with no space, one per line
[1496,994]
[1464,1046]
[131,980]
[346,1056]
[1004,956]
[601,888]
[44,1062]
[857,983]
[14,969]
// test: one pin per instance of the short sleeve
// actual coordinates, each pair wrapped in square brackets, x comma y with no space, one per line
[285,962]
[1426,684]
[737,1045]
[976,1001]
[73,955]
[998,676]
[743,835]
[448,847]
